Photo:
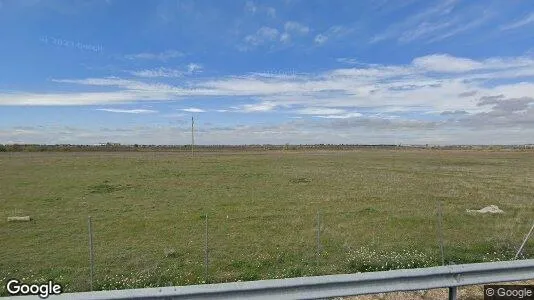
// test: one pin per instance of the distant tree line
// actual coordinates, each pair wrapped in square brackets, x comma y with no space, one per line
[108,147]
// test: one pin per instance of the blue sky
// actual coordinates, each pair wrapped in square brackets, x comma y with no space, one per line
[287,71]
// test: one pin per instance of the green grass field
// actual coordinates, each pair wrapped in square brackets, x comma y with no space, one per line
[377,210]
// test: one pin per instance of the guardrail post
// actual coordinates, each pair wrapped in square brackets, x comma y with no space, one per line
[453,291]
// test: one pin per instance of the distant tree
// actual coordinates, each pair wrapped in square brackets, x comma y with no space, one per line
[16,147]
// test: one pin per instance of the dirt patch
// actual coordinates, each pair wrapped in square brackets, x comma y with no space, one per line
[300,180]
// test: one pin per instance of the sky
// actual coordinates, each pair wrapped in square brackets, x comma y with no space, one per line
[267,72]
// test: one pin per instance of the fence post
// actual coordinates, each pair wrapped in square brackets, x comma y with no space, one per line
[440,232]
[192,135]
[318,235]
[206,252]
[91,255]
[524,242]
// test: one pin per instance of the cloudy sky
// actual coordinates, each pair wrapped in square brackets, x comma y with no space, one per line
[287,71]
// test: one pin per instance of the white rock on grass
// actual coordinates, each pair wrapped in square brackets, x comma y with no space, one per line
[492,209]
[19,219]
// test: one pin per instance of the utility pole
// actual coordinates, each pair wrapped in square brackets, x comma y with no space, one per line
[192,134]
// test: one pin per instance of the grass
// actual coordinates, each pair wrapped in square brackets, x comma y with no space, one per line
[377,210]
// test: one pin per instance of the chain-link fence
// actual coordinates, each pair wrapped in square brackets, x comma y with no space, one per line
[148,251]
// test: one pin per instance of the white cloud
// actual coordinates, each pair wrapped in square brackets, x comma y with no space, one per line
[251,7]
[267,33]
[342,116]
[466,26]
[160,72]
[430,84]
[296,28]
[193,110]
[174,115]
[128,111]
[269,36]
[263,35]
[162,56]
[348,60]
[285,37]
[73,98]
[320,111]
[320,39]
[271,12]
[527,20]
[424,29]
[166,72]
[192,67]
[261,107]
[446,63]
[132,85]
[293,28]
[441,20]
[332,33]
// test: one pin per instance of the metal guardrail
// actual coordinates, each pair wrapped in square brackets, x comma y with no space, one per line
[315,287]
